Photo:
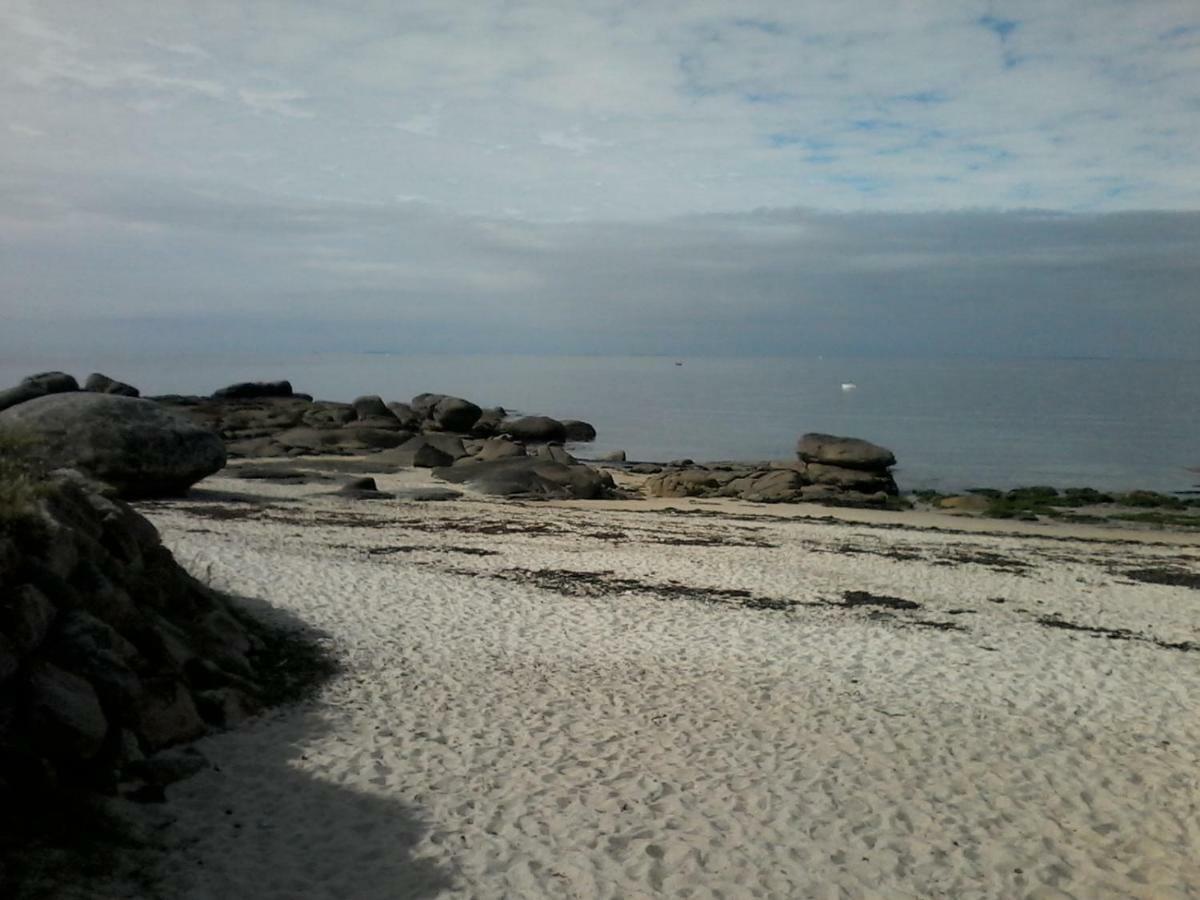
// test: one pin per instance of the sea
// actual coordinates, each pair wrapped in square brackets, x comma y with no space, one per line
[952,423]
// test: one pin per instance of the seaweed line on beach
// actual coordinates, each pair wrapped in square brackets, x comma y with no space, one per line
[1117,634]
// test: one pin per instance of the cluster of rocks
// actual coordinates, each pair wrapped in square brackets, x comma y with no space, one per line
[109,651]
[828,469]
[45,383]
[267,419]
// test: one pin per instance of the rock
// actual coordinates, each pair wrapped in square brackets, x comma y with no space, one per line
[419,452]
[135,445]
[324,414]
[531,477]
[446,413]
[489,421]
[102,384]
[557,453]
[850,453]
[371,407]
[423,404]
[168,715]
[375,438]
[362,489]
[450,444]
[579,432]
[685,483]
[388,423]
[25,618]
[774,486]
[248,390]
[498,448]
[226,706]
[36,386]
[535,429]
[320,440]
[681,463]
[65,714]
[405,415]
[862,480]
[612,456]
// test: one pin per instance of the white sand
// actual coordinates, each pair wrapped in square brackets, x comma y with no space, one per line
[492,737]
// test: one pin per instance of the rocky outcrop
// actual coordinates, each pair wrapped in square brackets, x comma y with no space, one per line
[36,386]
[253,390]
[535,429]
[109,651]
[441,412]
[831,470]
[135,445]
[531,477]
[847,453]
[102,384]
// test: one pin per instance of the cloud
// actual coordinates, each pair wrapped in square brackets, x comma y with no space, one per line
[572,141]
[281,103]
[514,169]
[767,281]
[699,107]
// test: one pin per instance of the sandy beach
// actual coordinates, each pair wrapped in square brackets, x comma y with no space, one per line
[686,699]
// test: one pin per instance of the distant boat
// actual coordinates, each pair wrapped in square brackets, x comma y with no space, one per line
[849,386]
[678,363]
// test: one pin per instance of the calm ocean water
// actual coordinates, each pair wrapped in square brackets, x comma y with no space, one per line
[952,423]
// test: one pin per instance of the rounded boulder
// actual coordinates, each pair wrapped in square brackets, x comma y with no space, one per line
[135,445]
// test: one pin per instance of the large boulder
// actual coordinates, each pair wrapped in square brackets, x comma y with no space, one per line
[405,415]
[578,431]
[36,386]
[134,445]
[498,448]
[249,390]
[530,477]
[102,384]
[535,429]
[326,414]
[371,406]
[446,413]
[65,714]
[850,453]
[489,422]
[866,481]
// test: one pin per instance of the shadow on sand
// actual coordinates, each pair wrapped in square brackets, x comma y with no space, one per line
[251,825]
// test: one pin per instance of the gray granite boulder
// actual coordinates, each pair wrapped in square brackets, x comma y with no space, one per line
[39,385]
[535,429]
[102,384]
[446,413]
[135,445]
[578,431]
[849,453]
[251,390]
[371,406]
[531,477]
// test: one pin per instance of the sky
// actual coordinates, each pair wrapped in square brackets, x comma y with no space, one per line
[712,176]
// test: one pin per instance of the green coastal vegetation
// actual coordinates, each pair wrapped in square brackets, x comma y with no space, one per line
[1078,504]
